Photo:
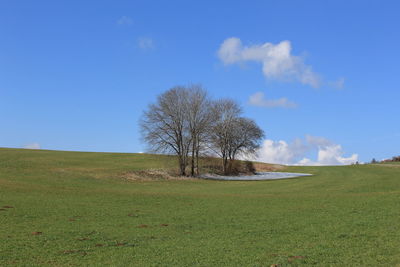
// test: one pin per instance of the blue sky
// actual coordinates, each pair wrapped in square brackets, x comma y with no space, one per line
[320,77]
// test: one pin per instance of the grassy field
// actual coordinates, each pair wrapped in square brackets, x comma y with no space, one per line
[74,208]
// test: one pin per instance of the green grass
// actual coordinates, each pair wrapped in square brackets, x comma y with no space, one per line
[89,215]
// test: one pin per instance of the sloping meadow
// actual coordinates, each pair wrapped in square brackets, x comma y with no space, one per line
[75,208]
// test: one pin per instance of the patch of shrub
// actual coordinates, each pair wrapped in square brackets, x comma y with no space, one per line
[236,167]
[396,159]
[250,167]
[393,159]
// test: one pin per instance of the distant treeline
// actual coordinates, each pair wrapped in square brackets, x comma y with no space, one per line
[393,159]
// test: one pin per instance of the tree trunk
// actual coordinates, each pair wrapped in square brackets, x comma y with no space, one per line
[193,155]
[182,166]
[225,165]
[183,170]
[197,160]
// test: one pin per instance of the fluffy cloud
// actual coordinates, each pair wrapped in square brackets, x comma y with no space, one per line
[145,43]
[276,59]
[281,152]
[124,20]
[32,146]
[258,99]
[333,155]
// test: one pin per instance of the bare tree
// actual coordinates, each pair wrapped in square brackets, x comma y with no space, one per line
[225,112]
[199,116]
[184,120]
[164,125]
[232,135]
[246,138]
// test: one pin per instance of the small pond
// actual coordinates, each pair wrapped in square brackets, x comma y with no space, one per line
[257,177]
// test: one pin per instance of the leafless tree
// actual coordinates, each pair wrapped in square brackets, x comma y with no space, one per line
[164,125]
[185,121]
[225,112]
[199,116]
[246,138]
[232,135]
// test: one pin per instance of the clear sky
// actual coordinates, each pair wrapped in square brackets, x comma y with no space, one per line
[320,77]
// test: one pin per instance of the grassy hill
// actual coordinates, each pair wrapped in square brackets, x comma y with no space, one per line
[76,208]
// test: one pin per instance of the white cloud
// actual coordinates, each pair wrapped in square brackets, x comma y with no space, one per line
[281,152]
[276,59]
[124,20]
[333,155]
[258,99]
[145,43]
[32,146]
[338,84]
[306,162]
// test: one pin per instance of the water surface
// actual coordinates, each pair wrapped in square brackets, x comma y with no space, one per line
[258,176]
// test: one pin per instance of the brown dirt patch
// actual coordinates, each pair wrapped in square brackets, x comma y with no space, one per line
[74,218]
[163,224]
[37,233]
[99,245]
[2,209]
[7,207]
[152,174]
[143,226]
[292,258]
[264,167]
